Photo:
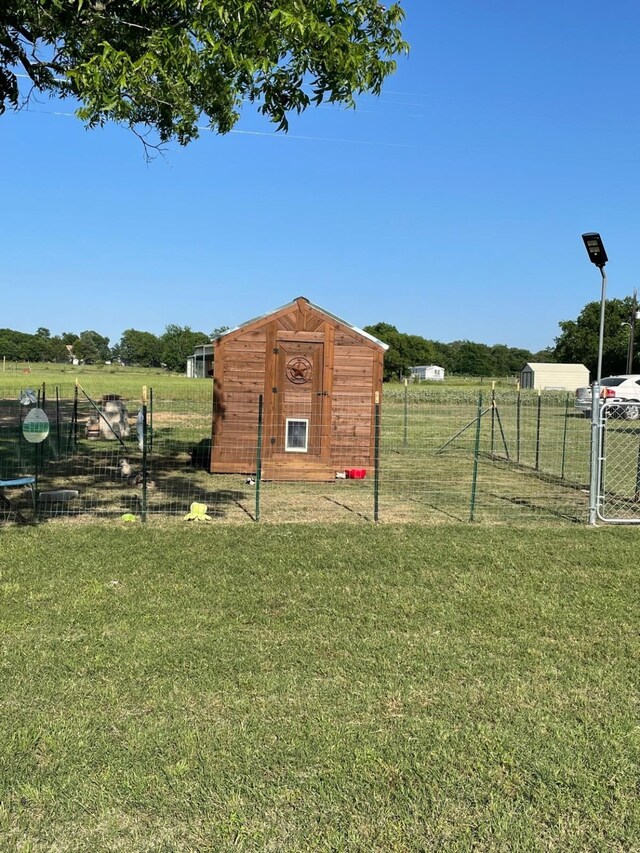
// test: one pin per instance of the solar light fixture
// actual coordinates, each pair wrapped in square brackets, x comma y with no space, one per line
[598,256]
[595,249]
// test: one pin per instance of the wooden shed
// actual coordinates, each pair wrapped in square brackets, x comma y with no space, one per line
[318,377]
[546,376]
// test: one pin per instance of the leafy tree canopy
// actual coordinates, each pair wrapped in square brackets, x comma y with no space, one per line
[163,64]
[141,348]
[544,355]
[473,359]
[21,346]
[578,341]
[91,347]
[179,342]
[404,350]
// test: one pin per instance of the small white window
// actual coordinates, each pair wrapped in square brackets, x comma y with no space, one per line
[297,435]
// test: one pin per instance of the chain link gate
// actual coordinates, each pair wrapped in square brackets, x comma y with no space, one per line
[619,463]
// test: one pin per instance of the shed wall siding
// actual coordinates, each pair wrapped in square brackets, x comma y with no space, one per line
[352,426]
[560,376]
[250,361]
[239,370]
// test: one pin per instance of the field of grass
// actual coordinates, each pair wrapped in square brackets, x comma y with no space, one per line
[98,380]
[310,688]
[128,381]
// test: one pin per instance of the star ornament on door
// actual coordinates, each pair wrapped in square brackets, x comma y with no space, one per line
[299,370]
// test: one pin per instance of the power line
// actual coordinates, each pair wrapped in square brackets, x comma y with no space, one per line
[321,138]
[265,133]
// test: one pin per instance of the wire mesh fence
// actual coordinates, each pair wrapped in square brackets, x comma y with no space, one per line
[619,487]
[495,457]
[419,455]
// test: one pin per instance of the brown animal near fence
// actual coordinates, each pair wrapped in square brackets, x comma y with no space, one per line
[318,377]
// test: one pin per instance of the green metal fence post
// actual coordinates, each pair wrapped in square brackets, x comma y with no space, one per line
[493,416]
[564,435]
[36,447]
[20,436]
[537,465]
[150,421]
[58,420]
[144,453]
[376,460]
[476,456]
[259,456]
[406,413]
[74,424]
[42,403]
[35,476]
[518,413]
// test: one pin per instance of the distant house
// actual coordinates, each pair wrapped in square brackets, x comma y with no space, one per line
[200,364]
[427,371]
[553,377]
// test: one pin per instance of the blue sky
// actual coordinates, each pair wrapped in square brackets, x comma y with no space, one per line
[452,206]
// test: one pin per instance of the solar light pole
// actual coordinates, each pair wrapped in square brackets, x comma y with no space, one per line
[629,346]
[598,256]
[635,315]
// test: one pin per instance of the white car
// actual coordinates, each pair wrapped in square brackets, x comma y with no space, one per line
[614,389]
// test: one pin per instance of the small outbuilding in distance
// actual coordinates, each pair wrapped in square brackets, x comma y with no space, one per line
[200,364]
[318,377]
[543,376]
[424,372]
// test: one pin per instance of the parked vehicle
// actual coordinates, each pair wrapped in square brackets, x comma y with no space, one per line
[614,389]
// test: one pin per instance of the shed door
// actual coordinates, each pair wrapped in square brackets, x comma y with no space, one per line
[297,401]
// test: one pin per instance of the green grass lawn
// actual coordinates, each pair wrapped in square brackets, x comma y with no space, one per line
[315,688]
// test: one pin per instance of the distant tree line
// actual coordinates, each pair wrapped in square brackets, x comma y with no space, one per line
[576,344]
[459,357]
[171,349]
[142,349]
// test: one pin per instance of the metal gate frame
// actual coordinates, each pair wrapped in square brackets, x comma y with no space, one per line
[613,412]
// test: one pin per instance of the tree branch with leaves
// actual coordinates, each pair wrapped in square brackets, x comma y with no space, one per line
[165,65]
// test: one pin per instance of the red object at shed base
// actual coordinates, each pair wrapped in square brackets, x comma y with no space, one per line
[356,473]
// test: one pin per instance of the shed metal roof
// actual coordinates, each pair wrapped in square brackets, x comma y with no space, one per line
[324,311]
[550,365]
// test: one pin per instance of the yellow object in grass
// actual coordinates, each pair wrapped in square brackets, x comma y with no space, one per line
[197,512]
